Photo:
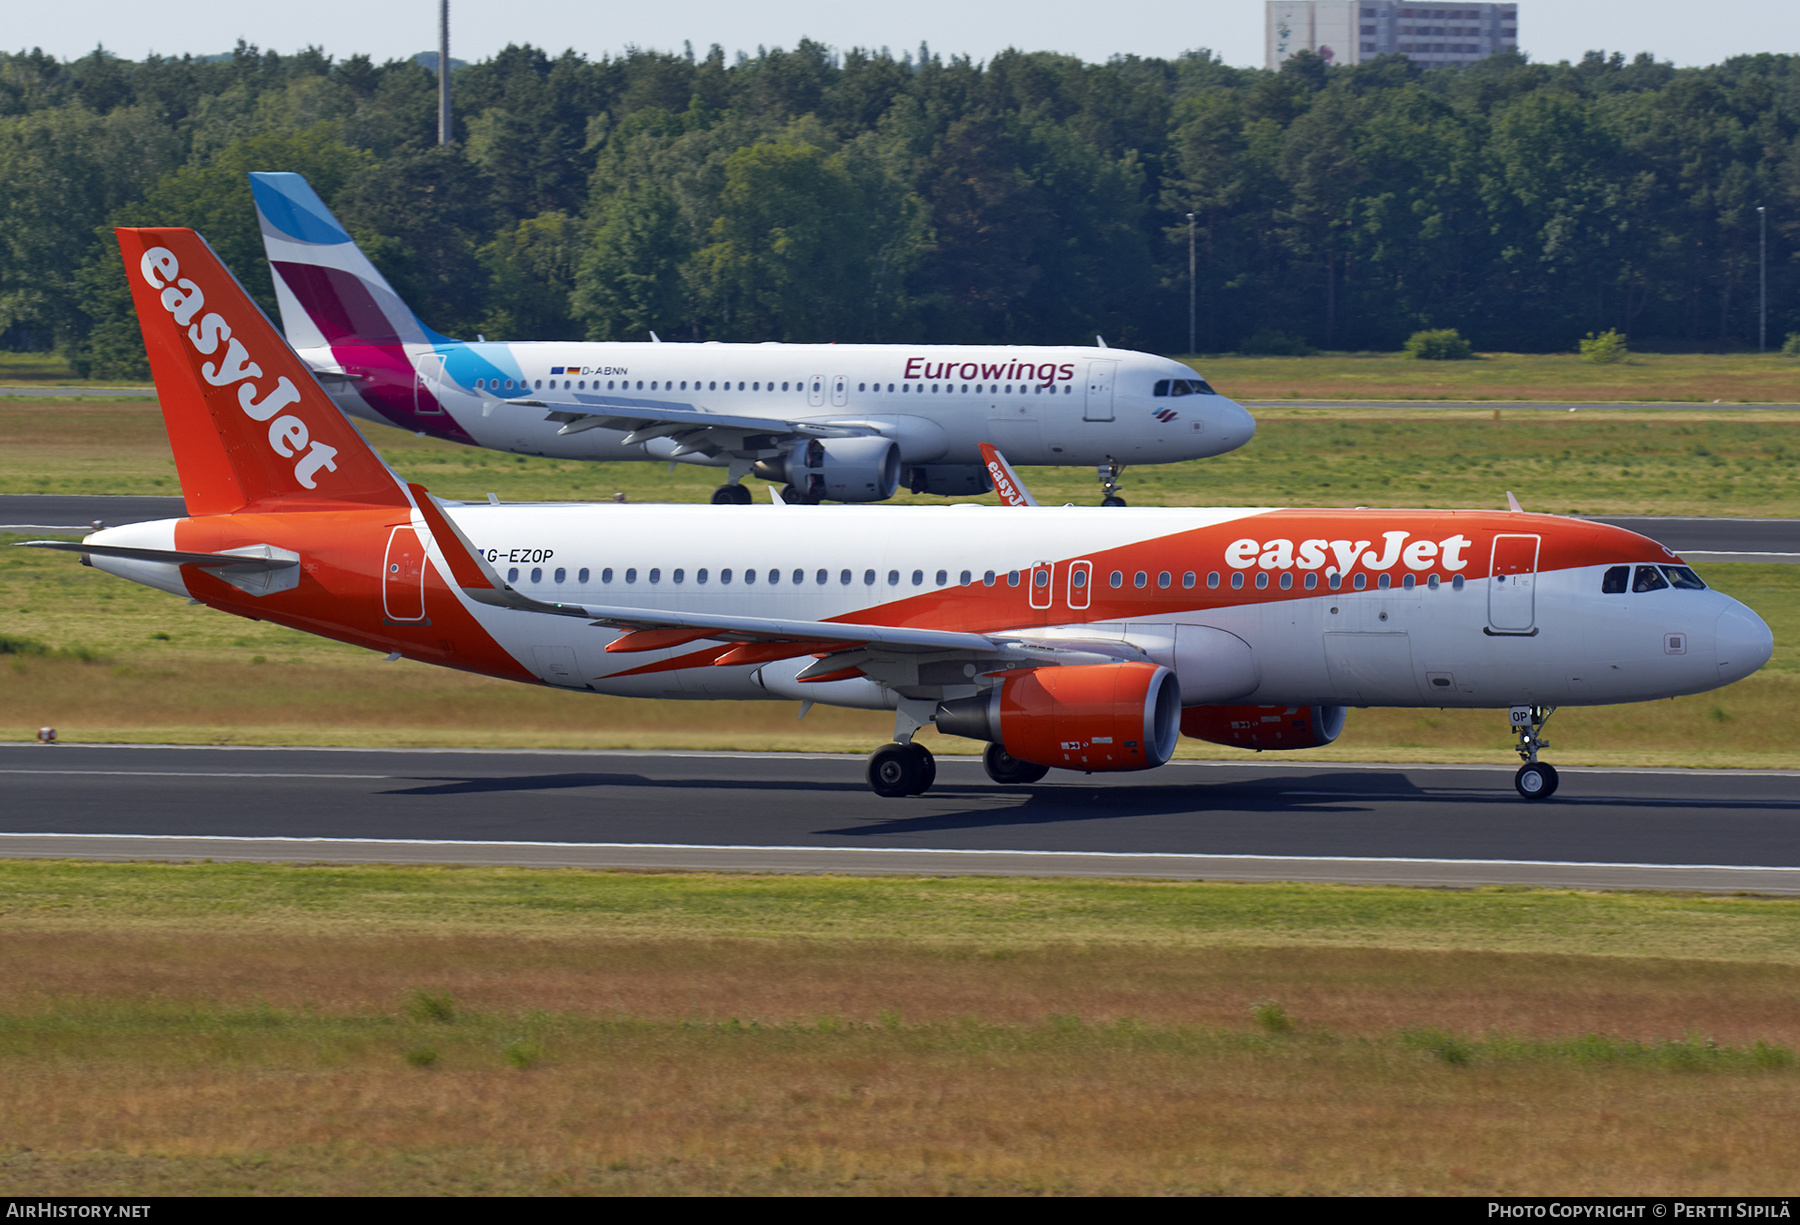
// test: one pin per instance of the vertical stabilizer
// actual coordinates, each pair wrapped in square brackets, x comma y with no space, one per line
[250,426]
[328,291]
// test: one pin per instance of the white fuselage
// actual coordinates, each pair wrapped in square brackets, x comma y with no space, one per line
[1050,406]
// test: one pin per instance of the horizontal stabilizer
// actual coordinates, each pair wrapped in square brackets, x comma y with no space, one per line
[272,559]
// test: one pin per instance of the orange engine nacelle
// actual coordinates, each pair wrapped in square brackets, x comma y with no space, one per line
[1264,727]
[1090,717]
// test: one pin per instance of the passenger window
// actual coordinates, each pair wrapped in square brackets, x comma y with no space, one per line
[918,578]
[844,578]
[631,575]
[1684,579]
[699,576]
[1649,578]
[966,577]
[725,576]
[1287,580]
[1262,579]
[893,578]
[655,574]
[1430,582]
[512,575]
[943,577]
[1163,579]
[679,575]
[560,575]
[1337,580]
[1360,581]
[1041,578]
[1140,579]
[1312,581]
[988,579]
[749,576]
[1187,580]
[1615,581]
[605,575]
[1117,579]
[1212,578]
[1080,579]
[583,576]
[1456,584]
[1409,582]
[1237,581]
[868,578]
[1384,582]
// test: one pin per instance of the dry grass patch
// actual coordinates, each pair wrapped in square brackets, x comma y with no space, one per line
[206,1029]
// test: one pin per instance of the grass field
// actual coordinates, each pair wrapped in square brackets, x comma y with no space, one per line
[1740,378]
[194,1029]
[1659,462]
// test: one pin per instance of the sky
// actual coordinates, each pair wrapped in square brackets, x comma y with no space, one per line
[1683,31]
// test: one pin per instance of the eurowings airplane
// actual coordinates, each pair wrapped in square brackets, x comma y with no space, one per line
[844,423]
[1074,638]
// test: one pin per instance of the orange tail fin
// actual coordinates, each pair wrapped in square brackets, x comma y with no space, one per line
[250,426]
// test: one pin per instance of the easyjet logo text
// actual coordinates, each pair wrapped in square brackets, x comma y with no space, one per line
[288,434]
[1043,374]
[1340,556]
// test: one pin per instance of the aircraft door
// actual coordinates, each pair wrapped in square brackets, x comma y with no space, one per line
[1512,582]
[1081,578]
[1043,582]
[428,377]
[815,390]
[403,577]
[1100,391]
[840,390]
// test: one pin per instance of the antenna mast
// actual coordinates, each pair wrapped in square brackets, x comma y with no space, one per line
[443,72]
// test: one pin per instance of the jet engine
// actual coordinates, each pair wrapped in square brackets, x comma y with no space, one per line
[1264,727]
[839,469]
[1092,717]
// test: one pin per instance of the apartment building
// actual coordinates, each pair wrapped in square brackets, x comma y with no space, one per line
[1352,31]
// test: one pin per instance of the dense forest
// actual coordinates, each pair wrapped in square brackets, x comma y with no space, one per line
[807,195]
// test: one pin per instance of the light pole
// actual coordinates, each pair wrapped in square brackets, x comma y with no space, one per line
[1762,276]
[1190,283]
[444,72]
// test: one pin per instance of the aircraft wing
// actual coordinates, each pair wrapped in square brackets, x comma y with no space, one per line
[694,429]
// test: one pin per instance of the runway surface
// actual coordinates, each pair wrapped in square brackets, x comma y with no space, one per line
[1446,825]
[1706,539]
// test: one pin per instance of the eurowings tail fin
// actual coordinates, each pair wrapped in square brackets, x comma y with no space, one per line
[328,291]
[250,427]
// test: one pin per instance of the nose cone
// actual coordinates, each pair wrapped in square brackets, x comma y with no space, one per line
[1745,643]
[1236,426]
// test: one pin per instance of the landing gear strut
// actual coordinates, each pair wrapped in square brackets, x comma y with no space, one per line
[731,495]
[1110,472]
[1536,780]
[897,770]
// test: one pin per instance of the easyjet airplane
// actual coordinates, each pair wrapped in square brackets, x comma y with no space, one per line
[1073,638]
[844,423]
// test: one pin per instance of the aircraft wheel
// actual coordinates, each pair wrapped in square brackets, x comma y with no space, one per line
[895,771]
[927,766]
[1112,500]
[725,495]
[1536,781]
[1003,767]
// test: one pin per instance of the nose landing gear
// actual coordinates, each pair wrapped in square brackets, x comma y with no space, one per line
[1110,472]
[1536,780]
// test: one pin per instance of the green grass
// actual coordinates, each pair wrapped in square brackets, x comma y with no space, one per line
[1658,462]
[1746,378]
[981,917]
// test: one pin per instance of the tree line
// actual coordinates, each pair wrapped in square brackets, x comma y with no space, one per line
[1033,198]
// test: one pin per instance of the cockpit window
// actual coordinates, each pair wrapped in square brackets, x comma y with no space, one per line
[1182,387]
[1649,578]
[1683,578]
[1617,577]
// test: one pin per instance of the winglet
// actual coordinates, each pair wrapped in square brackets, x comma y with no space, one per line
[1006,483]
[1512,504]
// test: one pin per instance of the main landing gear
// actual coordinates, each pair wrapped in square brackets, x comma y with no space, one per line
[896,770]
[1536,780]
[1110,472]
[731,495]
[1003,767]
